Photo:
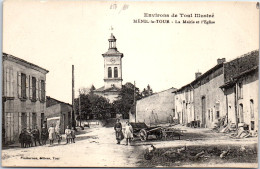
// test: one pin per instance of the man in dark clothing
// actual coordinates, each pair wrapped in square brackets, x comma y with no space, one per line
[118,130]
[44,135]
[36,135]
[22,138]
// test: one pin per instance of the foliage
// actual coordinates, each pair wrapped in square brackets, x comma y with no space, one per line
[147,91]
[93,105]
[98,107]
[126,99]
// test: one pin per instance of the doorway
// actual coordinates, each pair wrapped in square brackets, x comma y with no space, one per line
[203,104]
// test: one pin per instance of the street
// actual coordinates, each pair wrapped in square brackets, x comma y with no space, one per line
[96,147]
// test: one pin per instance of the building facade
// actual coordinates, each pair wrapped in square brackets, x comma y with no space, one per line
[155,109]
[23,97]
[241,90]
[58,113]
[227,91]
[112,72]
[201,100]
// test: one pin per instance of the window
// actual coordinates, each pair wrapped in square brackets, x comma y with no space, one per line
[23,86]
[240,90]
[33,88]
[252,109]
[34,120]
[42,95]
[109,72]
[115,72]
[9,82]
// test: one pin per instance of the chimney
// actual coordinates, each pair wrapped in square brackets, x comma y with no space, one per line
[198,74]
[221,60]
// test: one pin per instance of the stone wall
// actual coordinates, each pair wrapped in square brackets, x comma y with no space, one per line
[156,108]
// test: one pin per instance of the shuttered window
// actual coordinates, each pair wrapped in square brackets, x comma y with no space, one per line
[23,86]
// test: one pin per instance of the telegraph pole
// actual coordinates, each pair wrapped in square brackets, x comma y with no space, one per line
[134,102]
[79,110]
[73,105]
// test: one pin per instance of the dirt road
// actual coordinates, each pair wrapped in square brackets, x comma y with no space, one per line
[96,147]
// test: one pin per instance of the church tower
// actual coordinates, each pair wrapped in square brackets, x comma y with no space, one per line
[112,65]
[112,72]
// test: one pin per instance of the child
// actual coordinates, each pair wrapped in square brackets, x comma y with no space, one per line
[68,134]
[73,135]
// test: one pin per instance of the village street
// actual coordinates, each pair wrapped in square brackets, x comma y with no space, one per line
[95,147]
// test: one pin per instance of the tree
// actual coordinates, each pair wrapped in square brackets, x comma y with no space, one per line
[126,99]
[93,105]
[147,91]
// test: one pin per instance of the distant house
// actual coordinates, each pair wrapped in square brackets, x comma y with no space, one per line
[154,109]
[23,97]
[58,113]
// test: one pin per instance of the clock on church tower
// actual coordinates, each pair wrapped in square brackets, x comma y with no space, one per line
[112,65]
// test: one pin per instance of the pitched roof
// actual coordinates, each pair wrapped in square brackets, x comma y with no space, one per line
[51,101]
[24,62]
[111,89]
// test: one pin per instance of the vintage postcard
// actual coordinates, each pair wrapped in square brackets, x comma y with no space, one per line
[130,84]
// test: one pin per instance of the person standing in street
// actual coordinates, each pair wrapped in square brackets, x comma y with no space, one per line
[68,134]
[128,133]
[118,130]
[51,134]
[36,135]
[73,135]
[44,135]
[58,133]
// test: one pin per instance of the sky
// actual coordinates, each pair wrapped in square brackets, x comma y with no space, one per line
[58,34]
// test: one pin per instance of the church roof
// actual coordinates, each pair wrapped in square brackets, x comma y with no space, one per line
[111,89]
[101,89]
[113,51]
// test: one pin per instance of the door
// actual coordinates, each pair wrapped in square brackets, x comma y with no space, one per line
[42,119]
[203,103]
[9,137]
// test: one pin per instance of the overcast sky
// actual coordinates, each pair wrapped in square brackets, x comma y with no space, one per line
[57,34]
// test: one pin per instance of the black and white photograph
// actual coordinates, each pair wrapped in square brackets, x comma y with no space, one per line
[130,84]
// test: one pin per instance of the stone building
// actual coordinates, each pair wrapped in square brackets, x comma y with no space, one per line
[202,100]
[155,109]
[229,90]
[23,96]
[58,112]
[112,72]
[241,90]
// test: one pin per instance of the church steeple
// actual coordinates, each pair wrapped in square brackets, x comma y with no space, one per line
[112,42]
[112,65]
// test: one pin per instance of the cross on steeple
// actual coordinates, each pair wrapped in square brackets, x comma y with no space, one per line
[111,28]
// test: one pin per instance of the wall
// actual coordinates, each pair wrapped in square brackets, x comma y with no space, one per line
[60,111]
[111,96]
[250,92]
[14,107]
[184,106]
[155,109]
[214,96]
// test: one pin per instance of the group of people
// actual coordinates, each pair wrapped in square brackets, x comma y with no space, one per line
[28,137]
[128,133]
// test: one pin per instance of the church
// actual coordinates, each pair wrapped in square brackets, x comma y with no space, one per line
[112,72]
